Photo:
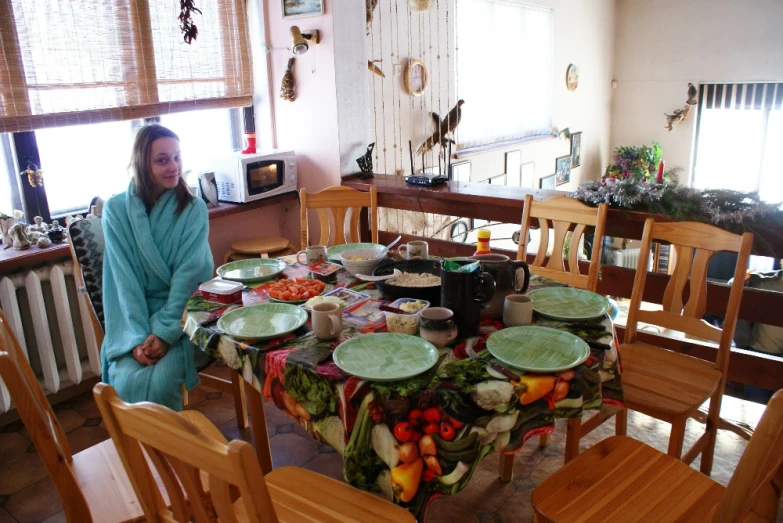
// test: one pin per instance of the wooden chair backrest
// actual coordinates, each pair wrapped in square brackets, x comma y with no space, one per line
[753,493]
[561,214]
[694,244]
[179,450]
[338,200]
[38,417]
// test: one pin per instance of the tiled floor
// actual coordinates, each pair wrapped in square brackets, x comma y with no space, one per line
[27,494]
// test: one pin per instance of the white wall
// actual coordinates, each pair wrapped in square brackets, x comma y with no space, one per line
[664,44]
[584,35]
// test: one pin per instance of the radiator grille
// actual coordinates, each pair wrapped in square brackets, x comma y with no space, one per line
[52,326]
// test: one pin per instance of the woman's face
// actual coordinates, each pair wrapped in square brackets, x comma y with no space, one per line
[166,162]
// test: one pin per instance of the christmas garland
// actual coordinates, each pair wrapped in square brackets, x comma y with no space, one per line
[733,211]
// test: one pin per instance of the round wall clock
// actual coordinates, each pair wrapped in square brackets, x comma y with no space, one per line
[415,78]
[572,77]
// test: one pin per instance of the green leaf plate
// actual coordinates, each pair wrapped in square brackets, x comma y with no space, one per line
[537,349]
[569,304]
[385,356]
[260,322]
[253,270]
[335,251]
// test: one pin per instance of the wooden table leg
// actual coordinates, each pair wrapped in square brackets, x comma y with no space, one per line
[543,440]
[255,404]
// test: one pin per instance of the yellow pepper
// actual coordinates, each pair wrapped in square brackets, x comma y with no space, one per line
[533,387]
[405,479]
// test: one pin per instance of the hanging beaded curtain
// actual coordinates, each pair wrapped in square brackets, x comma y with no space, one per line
[67,62]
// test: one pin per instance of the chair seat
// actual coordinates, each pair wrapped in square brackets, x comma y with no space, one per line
[303,495]
[260,245]
[621,479]
[663,383]
[106,485]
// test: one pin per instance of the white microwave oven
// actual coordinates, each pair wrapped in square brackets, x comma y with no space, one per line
[243,178]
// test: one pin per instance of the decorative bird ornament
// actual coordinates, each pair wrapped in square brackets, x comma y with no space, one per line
[691,95]
[288,87]
[374,68]
[370,6]
[678,116]
[443,128]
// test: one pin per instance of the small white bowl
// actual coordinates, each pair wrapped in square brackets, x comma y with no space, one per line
[364,266]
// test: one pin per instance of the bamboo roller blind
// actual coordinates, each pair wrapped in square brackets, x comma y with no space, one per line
[67,62]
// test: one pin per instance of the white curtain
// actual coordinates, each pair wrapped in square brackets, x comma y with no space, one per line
[504,71]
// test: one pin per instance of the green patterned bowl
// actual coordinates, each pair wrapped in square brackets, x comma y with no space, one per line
[260,322]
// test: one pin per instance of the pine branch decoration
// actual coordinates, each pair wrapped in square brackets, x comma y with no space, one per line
[288,86]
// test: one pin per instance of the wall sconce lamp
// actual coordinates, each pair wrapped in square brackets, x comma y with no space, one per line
[301,41]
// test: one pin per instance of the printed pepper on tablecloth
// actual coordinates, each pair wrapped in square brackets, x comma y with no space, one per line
[412,440]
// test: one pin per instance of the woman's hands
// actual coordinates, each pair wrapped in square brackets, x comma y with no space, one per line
[151,350]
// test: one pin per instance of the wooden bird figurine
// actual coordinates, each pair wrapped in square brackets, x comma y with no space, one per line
[370,6]
[288,87]
[691,94]
[374,68]
[444,127]
[678,116]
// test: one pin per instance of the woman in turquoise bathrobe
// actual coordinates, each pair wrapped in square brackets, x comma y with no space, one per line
[157,252]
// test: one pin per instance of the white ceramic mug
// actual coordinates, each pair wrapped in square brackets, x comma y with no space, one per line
[517,310]
[413,250]
[327,321]
[314,253]
[436,325]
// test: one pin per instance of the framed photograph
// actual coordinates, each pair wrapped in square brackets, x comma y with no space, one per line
[547,182]
[576,149]
[302,8]
[528,175]
[562,170]
[513,171]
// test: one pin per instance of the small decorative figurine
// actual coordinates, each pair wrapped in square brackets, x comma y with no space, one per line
[37,230]
[288,85]
[679,115]
[20,238]
[6,222]
[43,242]
[365,162]
[55,232]
[207,188]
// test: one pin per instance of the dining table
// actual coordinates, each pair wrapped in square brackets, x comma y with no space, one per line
[420,437]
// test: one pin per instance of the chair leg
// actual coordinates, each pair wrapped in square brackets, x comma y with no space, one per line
[506,470]
[711,429]
[255,403]
[240,400]
[543,440]
[573,435]
[621,423]
[184,397]
[677,437]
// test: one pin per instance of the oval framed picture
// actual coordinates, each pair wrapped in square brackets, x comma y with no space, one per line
[572,77]
[415,77]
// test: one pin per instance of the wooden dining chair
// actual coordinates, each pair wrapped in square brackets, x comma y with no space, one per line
[87,246]
[622,479]
[179,450]
[561,215]
[667,385]
[92,483]
[338,200]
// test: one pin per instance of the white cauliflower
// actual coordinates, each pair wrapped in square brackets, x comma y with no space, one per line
[228,353]
[491,394]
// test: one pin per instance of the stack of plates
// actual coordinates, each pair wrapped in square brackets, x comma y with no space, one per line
[261,322]
[253,270]
[569,304]
[537,349]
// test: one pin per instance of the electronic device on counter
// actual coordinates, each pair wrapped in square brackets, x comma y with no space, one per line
[243,178]
[425,180]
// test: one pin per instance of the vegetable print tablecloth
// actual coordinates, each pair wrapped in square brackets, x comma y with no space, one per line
[413,439]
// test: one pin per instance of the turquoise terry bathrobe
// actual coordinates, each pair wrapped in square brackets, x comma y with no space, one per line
[151,265]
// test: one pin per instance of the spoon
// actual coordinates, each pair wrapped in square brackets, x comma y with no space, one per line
[367,277]
[386,249]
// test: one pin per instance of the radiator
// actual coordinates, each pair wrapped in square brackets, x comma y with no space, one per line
[53,327]
[627,258]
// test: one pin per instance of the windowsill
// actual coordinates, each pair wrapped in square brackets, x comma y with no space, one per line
[12,260]
[499,146]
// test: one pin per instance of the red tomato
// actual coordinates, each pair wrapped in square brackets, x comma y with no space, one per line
[403,431]
[416,416]
[456,423]
[416,436]
[431,428]
[427,475]
[447,431]
[561,389]
[432,415]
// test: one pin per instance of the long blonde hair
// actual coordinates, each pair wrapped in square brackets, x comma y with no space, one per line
[141,159]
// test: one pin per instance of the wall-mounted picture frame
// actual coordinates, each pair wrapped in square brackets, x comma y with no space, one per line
[562,170]
[302,8]
[460,171]
[576,149]
[528,175]
[513,172]
[547,182]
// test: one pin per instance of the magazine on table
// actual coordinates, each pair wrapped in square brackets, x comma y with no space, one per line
[366,316]
[349,297]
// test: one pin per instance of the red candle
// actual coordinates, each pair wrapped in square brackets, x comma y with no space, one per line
[659,178]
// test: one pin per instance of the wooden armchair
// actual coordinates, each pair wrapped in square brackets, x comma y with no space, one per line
[338,200]
[91,483]
[179,451]
[561,214]
[667,385]
[625,480]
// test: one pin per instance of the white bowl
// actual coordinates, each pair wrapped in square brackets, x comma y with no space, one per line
[363,266]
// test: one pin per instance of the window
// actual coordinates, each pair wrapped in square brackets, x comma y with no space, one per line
[9,191]
[514,42]
[739,130]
